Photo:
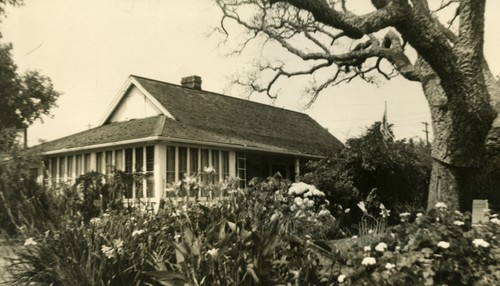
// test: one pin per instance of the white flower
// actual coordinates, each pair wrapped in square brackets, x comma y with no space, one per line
[209,170]
[495,221]
[480,242]
[341,278]
[397,248]
[30,241]
[299,202]
[354,237]
[443,244]
[118,243]
[440,205]
[458,222]
[137,232]
[381,247]
[95,220]
[361,206]
[370,231]
[458,213]
[406,214]
[389,266]
[347,210]
[214,252]
[367,248]
[324,212]
[298,188]
[109,252]
[368,261]
[420,214]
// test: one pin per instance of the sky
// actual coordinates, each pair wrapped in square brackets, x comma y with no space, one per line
[89,48]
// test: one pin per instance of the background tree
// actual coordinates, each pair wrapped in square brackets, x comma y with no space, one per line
[398,170]
[25,98]
[336,45]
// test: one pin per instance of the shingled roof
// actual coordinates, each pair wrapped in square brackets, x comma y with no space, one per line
[211,118]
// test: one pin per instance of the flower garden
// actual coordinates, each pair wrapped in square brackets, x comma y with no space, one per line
[273,233]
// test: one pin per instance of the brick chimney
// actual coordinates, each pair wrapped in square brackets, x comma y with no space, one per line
[193,82]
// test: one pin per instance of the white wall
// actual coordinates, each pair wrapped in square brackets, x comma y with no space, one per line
[134,105]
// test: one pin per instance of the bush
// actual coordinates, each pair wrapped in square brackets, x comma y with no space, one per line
[439,248]
[248,237]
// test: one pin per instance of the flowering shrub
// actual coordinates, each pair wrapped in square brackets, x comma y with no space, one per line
[432,250]
[274,233]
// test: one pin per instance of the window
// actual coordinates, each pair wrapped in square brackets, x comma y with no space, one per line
[242,169]
[86,163]
[53,170]
[98,162]
[215,165]
[69,167]
[109,161]
[150,166]
[119,159]
[150,158]
[128,169]
[128,160]
[139,159]
[62,169]
[170,164]
[78,166]
[193,161]
[204,164]
[182,162]
[225,164]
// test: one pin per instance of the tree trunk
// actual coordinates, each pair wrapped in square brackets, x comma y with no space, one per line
[461,123]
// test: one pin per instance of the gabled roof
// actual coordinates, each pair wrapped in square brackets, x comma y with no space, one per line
[212,119]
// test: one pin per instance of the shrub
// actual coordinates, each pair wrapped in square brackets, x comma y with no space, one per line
[438,248]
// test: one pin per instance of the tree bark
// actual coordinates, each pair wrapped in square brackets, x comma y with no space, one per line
[461,128]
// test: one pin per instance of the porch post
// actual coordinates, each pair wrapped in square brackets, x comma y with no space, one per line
[160,171]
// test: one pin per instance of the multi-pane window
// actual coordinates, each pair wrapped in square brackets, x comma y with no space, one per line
[78,167]
[225,164]
[170,164]
[53,170]
[129,160]
[98,162]
[69,167]
[108,160]
[182,162]
[119,159]
[139,159]
[150,166]
[62,169]
[204,164]
[215,165]
[86,163]
[193,161]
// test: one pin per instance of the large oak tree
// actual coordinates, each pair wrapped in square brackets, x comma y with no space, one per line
[440,46]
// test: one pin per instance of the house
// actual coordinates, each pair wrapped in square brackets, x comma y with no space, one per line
[166,131]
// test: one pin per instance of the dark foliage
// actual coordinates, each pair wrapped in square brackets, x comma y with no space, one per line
[398,170]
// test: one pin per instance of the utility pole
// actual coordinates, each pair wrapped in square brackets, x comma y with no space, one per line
[426,131]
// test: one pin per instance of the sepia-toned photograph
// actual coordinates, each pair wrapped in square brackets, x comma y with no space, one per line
[249,142]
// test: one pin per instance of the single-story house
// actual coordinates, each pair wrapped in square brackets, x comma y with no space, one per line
[167,131]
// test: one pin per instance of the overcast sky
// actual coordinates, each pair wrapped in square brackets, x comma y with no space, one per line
[89,48]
